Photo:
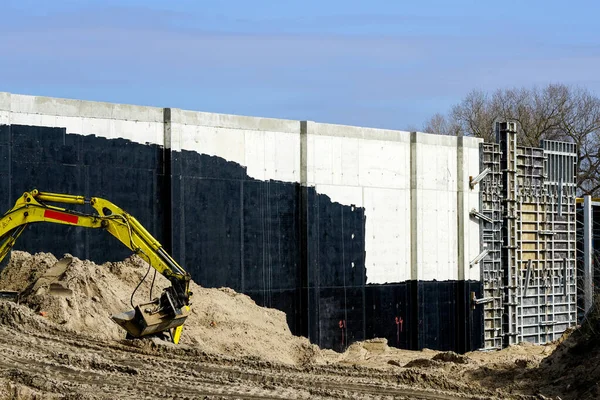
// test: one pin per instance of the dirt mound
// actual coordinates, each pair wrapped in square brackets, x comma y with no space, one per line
[572,371]
[221,320]
[450,356]
[422,363]
[224,321]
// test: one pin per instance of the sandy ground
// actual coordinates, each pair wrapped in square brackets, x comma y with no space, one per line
[66,347]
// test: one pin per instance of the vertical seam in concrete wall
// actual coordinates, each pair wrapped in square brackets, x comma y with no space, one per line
[303,153]
[167,171]
[462,342]
[413,208]
[304,259]
[460,212]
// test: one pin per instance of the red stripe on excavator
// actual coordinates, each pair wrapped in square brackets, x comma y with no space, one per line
[72,219]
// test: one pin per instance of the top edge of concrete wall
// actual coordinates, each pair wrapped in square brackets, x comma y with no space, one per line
[446,140]
[350,131]
[27,104]
[201,118]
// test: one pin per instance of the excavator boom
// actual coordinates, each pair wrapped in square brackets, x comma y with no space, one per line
[164,314]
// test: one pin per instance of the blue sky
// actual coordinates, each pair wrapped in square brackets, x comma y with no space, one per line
[388,64]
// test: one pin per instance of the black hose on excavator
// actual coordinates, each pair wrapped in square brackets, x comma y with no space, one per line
[138,286]
[152,285]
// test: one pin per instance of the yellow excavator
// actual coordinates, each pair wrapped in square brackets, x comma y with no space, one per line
[165,314]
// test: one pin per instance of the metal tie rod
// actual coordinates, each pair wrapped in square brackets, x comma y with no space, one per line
[477,214]
[478,178]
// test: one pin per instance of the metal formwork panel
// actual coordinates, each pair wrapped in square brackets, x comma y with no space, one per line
[556,297]
[528,227]
[546,246]
[491,238]
[507,138]
[531,241]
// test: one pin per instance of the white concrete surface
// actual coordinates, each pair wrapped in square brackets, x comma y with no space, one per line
[387,235]
[136,123]
[412,224]
[471,234]
[437,243]
[268,148]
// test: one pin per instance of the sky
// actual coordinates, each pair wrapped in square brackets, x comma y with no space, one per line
[384,64]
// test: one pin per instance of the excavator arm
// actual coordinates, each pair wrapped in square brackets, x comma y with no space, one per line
[164,314]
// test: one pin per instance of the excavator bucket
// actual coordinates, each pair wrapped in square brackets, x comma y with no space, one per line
[143,321]
[59,289]
[52,279]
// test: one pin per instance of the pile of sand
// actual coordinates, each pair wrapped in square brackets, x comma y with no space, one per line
[221,320]
[572,371]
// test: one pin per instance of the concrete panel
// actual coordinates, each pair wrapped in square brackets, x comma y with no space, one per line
[105,128]
[225,143]
[471,237]
[272,155]
[5,99]
[352,195]
[130,112]
[4,117]
[437,167]
[72,124]
[437,246]
[333,160]
[472,242]
[384,164]
[142,132]
[332,164]
[283,156]
[349,167]
[323,159]
[387,235]
[83,109]
[255,157]
[356,132]
[234,121]
[26,119]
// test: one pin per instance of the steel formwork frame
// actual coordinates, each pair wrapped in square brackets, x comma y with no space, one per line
[530,272]
[491,237]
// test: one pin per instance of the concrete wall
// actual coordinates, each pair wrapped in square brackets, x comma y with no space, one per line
[335,225]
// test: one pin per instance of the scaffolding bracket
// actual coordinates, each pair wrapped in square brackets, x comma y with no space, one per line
[480,257]
[477,214]
[483,300]
[478,178]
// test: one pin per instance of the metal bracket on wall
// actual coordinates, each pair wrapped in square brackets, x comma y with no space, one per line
[475,301]
[527,277]
[477,214]
[483,300]
[480,257]
[478,178]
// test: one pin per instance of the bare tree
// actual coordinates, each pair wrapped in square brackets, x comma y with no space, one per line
[441,124]
[554,112]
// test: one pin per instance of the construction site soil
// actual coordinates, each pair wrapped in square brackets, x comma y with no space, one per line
[66,347]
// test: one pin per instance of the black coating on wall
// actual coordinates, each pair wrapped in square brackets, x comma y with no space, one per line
[579,214]
[284,245]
